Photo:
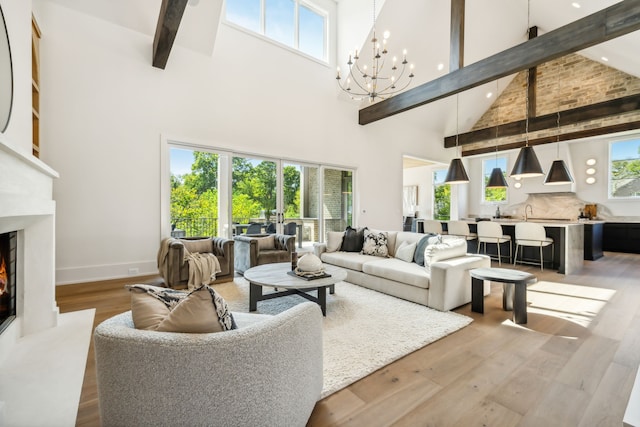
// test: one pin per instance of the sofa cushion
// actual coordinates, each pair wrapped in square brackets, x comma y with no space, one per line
[399,271]
[166,310]
[350,260]
[449,248]
[353,240]
[202,246]
[334,240]
[267,242]
[405,251]
[375,243]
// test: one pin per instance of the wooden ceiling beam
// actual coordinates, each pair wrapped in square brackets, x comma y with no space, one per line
[615,21]
[171,12]
[572,116]
[587,133]
[456,56]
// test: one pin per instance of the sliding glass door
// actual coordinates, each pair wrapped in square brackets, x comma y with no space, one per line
[219,193]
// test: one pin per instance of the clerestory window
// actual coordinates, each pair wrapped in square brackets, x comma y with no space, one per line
[294,23]
[624,170]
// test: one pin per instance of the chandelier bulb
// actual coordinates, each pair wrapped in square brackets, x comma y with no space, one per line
[386,35]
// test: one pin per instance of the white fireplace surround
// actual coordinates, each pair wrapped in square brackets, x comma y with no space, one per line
[27,206]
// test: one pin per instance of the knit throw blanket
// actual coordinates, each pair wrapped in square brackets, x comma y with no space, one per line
[203,267]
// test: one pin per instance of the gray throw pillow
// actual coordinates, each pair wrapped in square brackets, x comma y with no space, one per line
[418,256]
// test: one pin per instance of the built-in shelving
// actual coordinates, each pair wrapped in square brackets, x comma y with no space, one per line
[35,84]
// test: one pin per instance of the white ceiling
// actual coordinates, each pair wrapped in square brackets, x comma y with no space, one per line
[420,26]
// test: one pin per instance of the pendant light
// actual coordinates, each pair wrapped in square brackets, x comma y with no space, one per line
[558,174]
[456,174]
[527,164]
[496,180]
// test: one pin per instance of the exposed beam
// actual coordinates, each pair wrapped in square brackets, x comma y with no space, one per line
[587,133]
[615,21]
[532,84]
[171,12]
[456,56]
[549,121]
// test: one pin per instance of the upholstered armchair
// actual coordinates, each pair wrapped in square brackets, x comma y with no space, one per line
[243,377]
[251,251]
[175,269]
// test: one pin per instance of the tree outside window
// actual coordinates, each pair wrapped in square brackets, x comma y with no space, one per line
[624,169]
[441,196]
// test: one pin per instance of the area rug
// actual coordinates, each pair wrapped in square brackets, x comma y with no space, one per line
[363,331]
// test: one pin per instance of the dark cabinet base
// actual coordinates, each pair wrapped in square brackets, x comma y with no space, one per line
[621,237]
[593,241]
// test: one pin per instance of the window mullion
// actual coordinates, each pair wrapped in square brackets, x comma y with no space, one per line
[263,16]
[296,25]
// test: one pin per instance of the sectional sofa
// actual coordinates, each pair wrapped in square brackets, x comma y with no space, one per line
[442,283]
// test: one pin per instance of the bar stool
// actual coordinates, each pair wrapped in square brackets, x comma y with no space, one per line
[461,229]
[491,232]
[531,234]
[432,226]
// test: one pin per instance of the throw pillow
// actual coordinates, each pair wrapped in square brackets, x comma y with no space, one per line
[375,244]
[405,251]
[267,242]
[418,256]
[353,239]
[167,310]
[334,240]
[450,248]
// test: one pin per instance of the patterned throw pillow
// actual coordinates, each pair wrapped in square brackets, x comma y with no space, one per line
[375,244]
[167,310]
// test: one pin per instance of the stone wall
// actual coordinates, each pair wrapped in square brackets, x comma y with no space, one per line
[562,84]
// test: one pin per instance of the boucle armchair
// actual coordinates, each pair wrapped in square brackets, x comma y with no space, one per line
[268,372]
[251,251]
[177,269]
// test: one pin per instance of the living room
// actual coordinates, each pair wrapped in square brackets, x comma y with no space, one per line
[107,118]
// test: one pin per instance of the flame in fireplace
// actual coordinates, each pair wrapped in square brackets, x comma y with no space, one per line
[3,276]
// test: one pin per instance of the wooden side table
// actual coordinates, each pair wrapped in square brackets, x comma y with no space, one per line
[514,293]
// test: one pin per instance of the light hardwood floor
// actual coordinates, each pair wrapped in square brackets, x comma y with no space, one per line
[572,364]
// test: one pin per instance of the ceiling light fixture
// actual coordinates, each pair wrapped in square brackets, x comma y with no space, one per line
[364,81]
[576,5]
[527,164]
[456,174]
[605,59]
[440,66]
[558,174]
[496,180]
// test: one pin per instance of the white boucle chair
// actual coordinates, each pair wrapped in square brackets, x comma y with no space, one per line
[266,373]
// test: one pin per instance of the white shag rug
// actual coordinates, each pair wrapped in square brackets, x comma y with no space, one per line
[363,331]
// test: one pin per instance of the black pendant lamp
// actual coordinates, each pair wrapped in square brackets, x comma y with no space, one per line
[456,174]
[558,174]
[496,180]
[527,164]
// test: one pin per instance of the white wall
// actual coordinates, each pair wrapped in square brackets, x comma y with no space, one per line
[104,109]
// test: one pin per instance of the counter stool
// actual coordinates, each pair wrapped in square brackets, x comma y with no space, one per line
[531,234]
[461,229]
[491,232]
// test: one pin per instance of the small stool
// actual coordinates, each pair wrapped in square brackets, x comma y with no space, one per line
[514,294]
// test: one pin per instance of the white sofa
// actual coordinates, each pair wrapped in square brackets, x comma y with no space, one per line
[444,285]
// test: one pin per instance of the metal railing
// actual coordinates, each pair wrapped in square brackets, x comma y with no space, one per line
[194,227]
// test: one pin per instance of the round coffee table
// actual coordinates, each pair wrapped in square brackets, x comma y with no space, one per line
[276,276]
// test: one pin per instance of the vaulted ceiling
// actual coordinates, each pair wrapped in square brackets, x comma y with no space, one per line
[421,26]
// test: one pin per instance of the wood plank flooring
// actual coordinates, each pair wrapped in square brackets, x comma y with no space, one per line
[572,364]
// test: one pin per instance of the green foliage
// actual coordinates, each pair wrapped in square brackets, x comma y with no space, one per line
[442,202]
[194,196]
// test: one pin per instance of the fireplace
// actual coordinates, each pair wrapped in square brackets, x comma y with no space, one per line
[8,252]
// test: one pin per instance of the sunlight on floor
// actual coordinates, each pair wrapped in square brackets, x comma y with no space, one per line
[575,303]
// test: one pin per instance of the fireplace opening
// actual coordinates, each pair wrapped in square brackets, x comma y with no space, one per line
[8,251]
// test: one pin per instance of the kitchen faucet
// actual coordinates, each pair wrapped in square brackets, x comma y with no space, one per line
[525,211]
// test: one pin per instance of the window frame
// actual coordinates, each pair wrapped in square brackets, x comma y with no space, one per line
[483,194]
[610,195]
[313,7]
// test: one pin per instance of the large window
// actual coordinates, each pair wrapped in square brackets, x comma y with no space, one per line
[441,196]
[493,195]
[624,169]
[293,23]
